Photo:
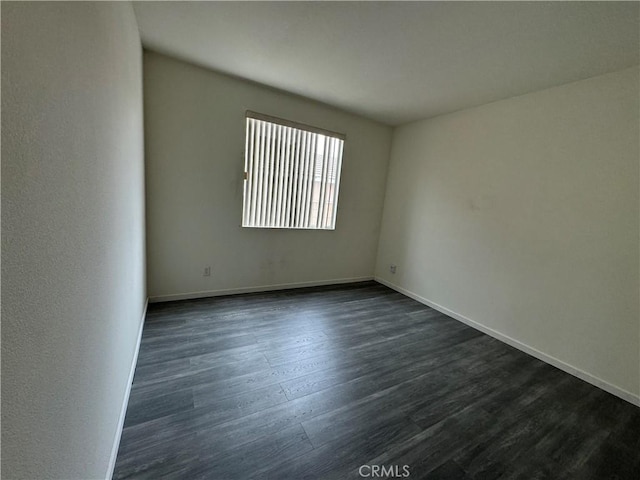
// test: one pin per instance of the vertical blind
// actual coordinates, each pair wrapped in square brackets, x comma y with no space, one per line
[292,174]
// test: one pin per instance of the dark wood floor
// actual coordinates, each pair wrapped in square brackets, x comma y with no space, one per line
[315,383]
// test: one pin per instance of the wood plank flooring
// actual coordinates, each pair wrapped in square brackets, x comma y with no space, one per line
[316,383]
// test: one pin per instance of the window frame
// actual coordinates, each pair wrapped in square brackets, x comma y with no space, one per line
[306,176]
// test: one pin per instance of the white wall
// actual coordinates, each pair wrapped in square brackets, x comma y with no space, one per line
[522,215]
[72,233]
[194,126]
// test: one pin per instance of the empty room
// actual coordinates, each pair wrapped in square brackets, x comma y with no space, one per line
[320,240]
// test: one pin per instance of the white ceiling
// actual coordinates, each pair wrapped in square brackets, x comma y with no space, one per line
[398,61]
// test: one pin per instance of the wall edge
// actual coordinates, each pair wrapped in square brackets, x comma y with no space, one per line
[523,347]
[254,289]
[125,401]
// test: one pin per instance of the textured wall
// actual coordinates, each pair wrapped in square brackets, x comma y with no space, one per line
[522,215]
[73,287]
[195,126]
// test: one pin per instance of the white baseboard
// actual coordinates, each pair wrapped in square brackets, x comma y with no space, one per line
[576,372]
[261,288]
[125,402]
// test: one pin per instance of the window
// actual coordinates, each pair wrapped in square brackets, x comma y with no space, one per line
[291,174]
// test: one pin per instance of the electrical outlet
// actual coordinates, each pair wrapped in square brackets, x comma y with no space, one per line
[392,268]
[207,272]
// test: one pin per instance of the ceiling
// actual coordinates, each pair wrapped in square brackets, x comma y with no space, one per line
[396,62]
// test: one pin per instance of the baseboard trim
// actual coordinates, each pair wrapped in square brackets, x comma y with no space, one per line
[125,402]
[576,372]
[260,288]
